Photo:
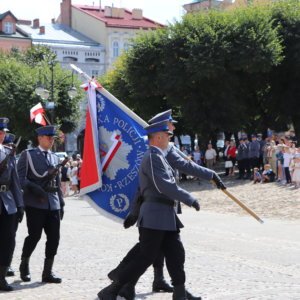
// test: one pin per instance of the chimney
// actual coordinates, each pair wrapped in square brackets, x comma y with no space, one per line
[65,12]
[42,30]
[137,14]
[36,23]
[53,21]
[107,11]
[115,12]
[121,13]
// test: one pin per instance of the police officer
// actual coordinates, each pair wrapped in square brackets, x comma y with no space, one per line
[254,152]
[8,141]
[11,205]
[179,161]
[44,204]
[242,156]
[158,223]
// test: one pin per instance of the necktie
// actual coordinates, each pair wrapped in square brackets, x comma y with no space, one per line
[46,155]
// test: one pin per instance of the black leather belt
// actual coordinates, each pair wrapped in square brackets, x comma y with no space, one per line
[4,188]
[161,201]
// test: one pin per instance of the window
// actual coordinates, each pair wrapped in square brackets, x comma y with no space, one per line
[126,46]
[8,27]
[69,59]
[95,73]
[115,49]
[91,60]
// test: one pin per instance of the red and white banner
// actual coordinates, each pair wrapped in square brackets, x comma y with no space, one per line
[37,114]
[91,166]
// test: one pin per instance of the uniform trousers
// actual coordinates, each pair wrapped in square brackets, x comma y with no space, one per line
[241,168]
[37,220]
[7,236]
[158,262]
[152,242]
[254,162]
[16,229]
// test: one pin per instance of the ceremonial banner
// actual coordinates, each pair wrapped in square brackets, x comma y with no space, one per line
[115,143]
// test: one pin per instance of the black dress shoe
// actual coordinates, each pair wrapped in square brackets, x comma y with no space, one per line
[10,272]
[24,269]
[4,286]
[189,296]
[48,275]
[110,292]
[159,283]
[127,291]
[161,286]
[51,278]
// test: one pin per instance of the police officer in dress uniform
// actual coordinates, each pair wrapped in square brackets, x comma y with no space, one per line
[179,161]
[158,223]
[8,141]
[44,204]
[11,206]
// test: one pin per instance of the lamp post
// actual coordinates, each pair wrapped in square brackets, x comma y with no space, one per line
[44,93]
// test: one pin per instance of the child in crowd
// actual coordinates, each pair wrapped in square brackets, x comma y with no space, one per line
[256,176]
[296,170]
[268,175]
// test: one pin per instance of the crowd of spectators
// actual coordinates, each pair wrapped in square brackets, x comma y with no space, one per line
[70,176]
[275,157]
[260,159]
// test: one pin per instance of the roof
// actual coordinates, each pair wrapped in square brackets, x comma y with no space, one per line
[2,16]
[19,34]
[126,22]
[58,34]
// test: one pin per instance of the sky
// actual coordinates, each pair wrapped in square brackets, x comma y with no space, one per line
[163,11]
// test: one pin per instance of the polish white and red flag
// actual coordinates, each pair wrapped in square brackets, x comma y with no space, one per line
[37,114]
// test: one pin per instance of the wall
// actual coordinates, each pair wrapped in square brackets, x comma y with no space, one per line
[7,43]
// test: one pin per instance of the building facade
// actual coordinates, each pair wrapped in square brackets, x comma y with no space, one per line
[204,5]
[11,37]
[112,27]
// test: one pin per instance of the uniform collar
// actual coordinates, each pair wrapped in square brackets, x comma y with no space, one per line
[163,152]
[43,150]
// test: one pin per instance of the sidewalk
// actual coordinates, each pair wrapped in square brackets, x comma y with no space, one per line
[228,257]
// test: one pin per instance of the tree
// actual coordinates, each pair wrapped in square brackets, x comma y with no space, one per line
[18,78]
[283,101]
[212,67]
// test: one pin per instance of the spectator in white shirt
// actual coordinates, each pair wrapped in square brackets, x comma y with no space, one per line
[210,156]
[287,157]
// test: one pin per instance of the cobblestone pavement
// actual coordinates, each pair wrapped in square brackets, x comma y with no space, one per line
[228,255]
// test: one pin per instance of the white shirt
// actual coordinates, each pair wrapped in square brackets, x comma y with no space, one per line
[197,156]
[210,154]
[287,157]
[2,152]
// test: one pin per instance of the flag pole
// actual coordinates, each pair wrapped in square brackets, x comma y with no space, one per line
[243,206]
[45,116]
[112,98]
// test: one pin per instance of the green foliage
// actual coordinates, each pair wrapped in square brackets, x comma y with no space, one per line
[19,75]
[219,70]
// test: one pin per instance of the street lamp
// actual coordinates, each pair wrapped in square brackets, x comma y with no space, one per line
[44,93]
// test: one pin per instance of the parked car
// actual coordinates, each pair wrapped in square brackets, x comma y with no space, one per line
[61,155]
